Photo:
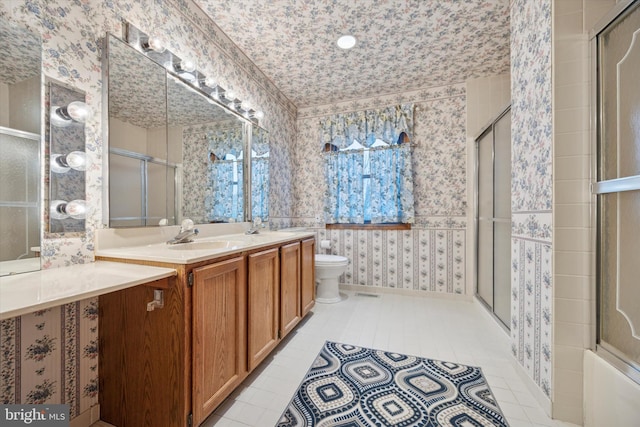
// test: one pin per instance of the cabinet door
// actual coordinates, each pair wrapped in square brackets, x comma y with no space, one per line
[308,276]
[142,364]
[263,305]
[219,334]
[290,313]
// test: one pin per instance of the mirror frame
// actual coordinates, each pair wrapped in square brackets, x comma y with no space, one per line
[131,37]
[39,138]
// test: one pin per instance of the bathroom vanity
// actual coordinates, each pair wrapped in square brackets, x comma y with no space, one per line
[234,298]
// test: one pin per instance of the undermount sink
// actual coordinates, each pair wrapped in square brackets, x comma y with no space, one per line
[201,246]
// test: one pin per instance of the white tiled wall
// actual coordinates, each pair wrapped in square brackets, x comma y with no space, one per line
[572,242]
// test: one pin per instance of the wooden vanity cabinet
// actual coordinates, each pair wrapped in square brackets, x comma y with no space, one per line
[174,365]
[290,312]
[263,304]
[141,353]
[307,275]
[219,334]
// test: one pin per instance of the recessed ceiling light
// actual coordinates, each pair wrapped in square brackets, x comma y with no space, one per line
[346,42]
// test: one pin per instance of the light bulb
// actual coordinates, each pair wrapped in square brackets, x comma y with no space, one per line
[259,115]
[76,209]
[245,105]
[187,65]
[210,82]
[79,111]
[153,43]
[75,160]
[230,95]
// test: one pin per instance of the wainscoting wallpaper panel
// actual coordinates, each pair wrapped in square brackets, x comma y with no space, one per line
[51,356]
[531,339]
[531,189]
[421,259]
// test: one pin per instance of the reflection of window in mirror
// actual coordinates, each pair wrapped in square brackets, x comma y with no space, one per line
[20,145]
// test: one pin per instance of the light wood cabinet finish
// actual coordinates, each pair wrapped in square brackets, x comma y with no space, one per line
[142,352]
[263,305]
[219,334]
[290,313]
[178,363]
[307,275]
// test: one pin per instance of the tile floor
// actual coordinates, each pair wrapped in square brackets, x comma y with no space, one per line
[456,331]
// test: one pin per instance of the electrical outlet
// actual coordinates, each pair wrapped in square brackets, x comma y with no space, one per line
[318,219]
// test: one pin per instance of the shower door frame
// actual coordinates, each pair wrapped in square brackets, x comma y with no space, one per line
[606,351]
[489,128]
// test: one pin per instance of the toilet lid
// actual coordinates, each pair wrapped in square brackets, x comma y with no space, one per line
[322,259]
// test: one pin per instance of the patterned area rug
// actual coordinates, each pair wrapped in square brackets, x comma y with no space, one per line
[351,386]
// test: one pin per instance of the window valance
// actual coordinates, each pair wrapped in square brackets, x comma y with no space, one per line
[366,126]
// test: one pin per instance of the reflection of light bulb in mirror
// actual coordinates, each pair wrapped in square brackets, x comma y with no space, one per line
[57,209]
[57,119]
[59,164]
[76,209]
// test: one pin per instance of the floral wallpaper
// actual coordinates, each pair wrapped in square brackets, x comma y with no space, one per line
[398,37]
[430,257]
[531,189]
[51,356]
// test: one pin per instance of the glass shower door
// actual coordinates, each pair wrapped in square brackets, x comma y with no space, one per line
[494,217]
[618,190]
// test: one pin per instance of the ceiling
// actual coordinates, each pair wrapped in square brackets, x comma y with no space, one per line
[402,45]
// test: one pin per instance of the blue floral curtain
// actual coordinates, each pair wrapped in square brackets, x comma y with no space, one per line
[260,187]
[372,184]
[225,200]
[225,203]
[344,200]
[391,179]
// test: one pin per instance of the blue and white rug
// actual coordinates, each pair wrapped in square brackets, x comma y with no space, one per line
[351,386]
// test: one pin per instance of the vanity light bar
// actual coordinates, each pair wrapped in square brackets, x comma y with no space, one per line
[186,71]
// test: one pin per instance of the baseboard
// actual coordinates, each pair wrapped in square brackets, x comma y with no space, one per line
[87,418]
[407,292]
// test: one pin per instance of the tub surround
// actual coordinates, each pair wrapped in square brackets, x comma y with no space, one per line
[39,290]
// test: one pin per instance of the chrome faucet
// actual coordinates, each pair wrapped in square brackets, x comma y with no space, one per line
[255,228]
[184,236]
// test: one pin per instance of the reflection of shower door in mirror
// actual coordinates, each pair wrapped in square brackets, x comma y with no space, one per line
[618,190]
[493,149]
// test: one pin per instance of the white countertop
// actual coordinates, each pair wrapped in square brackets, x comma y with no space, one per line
[202,249]
[25,293]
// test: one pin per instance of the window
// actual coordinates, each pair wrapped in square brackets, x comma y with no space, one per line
[369,181]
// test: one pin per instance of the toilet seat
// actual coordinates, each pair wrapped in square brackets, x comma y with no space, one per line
[330,260]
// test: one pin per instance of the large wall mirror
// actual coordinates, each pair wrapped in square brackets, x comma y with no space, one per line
[20,148]
[174,152]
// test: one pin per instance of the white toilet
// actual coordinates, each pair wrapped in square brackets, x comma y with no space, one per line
[328,270]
